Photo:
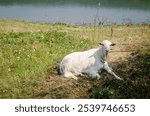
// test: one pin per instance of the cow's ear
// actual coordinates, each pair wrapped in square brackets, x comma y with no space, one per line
[113,44]
[101,44]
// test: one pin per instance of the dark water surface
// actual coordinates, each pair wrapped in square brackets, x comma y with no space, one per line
[77,11]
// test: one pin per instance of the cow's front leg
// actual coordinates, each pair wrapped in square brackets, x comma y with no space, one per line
[95,74]
[107,68]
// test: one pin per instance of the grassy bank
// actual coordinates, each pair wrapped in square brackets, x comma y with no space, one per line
[31,52]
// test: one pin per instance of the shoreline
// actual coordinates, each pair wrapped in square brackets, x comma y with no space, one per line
[69,24]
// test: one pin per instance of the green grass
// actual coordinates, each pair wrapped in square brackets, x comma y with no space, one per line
[29,50]
[25,57]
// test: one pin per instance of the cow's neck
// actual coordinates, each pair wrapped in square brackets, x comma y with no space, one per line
[103,56]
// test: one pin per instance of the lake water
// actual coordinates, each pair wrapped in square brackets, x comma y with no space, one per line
[77,11]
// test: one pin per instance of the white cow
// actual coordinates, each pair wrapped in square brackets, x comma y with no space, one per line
[88,62]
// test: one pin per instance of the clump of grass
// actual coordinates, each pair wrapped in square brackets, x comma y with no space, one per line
[26,56]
